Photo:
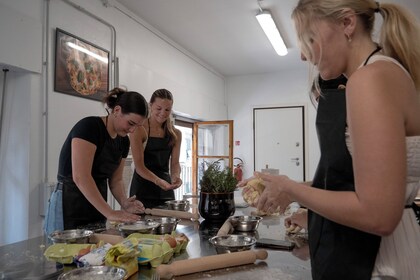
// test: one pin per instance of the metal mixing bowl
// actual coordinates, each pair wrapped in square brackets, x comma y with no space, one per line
[245,223]
[167,224]
[142,226]
[95,273]
[232,243]
[78,236]
[179,205]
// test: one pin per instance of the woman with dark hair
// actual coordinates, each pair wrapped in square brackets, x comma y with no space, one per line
[91,159]
[156,148]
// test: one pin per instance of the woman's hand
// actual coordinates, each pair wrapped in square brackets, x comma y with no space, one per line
[176,182]
[132,205]
[274,197]
[244,182]
[122,216]
[164,185]
[297,219]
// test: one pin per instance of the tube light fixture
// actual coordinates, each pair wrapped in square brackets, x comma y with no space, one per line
[88,52]
[269,26]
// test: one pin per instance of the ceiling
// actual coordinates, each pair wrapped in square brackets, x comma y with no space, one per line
[225,35]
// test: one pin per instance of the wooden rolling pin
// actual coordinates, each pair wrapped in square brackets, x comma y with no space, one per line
[172,213]
[226,228]
[182,267]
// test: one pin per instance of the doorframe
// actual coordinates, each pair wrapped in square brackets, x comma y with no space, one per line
[305,129]
[196,156]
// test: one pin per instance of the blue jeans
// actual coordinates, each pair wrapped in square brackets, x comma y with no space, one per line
[54,216]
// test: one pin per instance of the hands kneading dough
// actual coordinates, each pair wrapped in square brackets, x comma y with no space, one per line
[252,191]
[293,229]
[251,194]
[296,222]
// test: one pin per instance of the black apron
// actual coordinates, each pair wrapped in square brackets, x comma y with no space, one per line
[337,251]
[78,212]
[156,158]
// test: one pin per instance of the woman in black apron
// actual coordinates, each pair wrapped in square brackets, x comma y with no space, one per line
[155,150]
[358,194]
[91,159]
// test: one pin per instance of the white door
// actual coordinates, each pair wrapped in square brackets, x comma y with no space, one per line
[279,140]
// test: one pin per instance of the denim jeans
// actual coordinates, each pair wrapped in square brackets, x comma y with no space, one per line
[54,215]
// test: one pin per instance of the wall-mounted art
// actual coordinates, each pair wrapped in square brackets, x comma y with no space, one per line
[81,68]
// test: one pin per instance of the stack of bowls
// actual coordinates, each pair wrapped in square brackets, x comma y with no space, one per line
[167,224]
[178,205]
[95,273]
[232,243]
[72,236]
[245,223]
[142,226]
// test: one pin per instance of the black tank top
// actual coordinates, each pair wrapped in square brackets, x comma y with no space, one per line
[157,155]
[337,251]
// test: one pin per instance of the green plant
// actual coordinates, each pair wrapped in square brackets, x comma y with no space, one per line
[215,180]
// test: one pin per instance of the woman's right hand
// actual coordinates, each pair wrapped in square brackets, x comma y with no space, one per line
[132,205]
[123,216]
[297,219]
[244,182]
[166,186]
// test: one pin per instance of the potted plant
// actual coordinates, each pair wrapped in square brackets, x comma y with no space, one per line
[217,188]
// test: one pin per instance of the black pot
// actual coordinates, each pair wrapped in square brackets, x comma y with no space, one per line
[216,206]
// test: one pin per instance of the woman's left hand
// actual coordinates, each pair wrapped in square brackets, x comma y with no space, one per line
[176,182]
[132,205]
[273,197]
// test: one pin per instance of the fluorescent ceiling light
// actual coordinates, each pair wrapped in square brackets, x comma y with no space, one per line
[92,54]
[268,25]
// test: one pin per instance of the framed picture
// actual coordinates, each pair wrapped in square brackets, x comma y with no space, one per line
[81,68]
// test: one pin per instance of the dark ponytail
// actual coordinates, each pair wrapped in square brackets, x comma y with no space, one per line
[129,101]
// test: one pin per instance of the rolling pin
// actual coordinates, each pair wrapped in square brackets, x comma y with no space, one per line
[172,213]
[182,267]
[226,228]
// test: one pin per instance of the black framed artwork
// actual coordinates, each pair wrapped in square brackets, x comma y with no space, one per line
[81,68]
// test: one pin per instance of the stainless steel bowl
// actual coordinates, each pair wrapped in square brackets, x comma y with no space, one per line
[248,233]
[95,273]
[142,226]
[78,236]
[232,243]
[245,223]
[167,224]
[179,205]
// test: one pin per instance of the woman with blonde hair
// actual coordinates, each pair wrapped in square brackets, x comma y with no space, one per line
[156,148]
[361,223]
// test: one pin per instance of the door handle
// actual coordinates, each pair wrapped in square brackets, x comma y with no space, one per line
[296,160]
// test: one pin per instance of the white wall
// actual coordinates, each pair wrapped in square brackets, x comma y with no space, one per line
[147,62]
[274,89]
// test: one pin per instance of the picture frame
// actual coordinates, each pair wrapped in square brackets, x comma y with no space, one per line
[81,68]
